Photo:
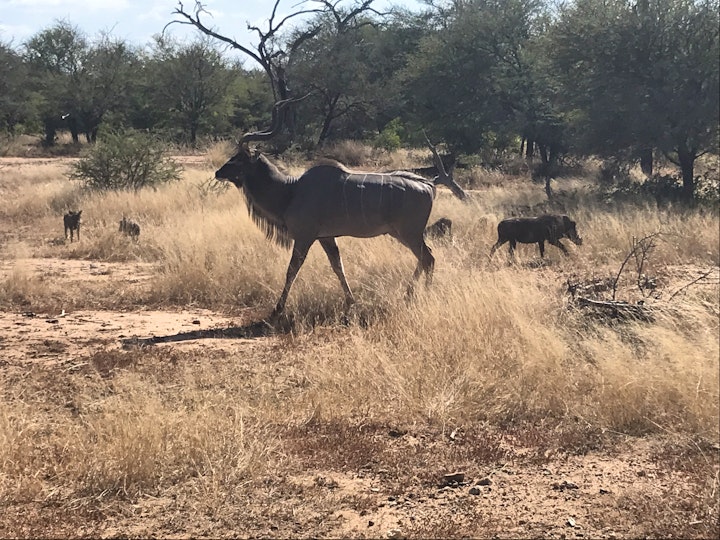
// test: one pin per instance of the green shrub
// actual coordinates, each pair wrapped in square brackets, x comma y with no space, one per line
[390,138]
[127,160]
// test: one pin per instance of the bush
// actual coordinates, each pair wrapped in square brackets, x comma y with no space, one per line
[390,138]
[126,160]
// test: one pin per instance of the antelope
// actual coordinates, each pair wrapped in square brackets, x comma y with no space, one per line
[529,230]
[71,221]
[329,201]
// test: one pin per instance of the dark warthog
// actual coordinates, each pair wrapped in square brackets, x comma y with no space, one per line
[130,228]
[529,230]
[441,228]
[328,201]
[71,220]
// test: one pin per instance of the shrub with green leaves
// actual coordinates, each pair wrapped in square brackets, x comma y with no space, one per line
[127,160]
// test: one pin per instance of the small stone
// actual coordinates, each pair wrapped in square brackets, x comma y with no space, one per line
[394,534]
[474,490]
[484,481]
[196,321]
[571,522]
[452,479]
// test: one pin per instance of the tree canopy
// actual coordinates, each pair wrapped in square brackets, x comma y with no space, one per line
[619,78]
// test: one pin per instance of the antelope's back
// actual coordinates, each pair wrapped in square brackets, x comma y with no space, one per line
[350,203]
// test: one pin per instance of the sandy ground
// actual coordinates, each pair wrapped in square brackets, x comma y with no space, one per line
[596,495]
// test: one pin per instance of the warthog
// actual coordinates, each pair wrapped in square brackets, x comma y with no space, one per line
[528,230]
[442,227]
[71,220]
[130,228]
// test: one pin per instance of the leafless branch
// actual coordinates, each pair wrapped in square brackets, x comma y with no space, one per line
[639,251]
[194,20]
[693,282]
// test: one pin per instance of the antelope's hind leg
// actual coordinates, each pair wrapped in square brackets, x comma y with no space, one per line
[426,263]
[333,252]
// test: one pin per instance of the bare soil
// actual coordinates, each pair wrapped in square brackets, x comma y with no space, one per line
[512,485]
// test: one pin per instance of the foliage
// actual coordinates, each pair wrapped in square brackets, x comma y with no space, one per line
[191,81]
[126,161]
[390,138]
[641,75]
[471,74]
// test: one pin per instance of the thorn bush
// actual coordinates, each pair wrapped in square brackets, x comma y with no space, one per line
[127,160]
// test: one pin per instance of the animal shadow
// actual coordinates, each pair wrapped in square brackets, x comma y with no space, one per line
[252,330]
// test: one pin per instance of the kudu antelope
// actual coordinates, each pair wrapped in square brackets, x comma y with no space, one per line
[71,221]
[529,230]
[328,201]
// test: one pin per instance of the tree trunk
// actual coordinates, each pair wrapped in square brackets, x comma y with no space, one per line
[193,133]
[49,139]
[543,153]
[73,127]
[529,149]
[686,159]
[646,161]
[329,116]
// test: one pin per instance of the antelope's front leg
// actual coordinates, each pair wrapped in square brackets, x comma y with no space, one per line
[300,251]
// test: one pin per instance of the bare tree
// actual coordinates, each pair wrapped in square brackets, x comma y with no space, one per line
[270,52]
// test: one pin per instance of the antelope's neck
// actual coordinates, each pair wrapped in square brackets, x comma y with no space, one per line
[269,190]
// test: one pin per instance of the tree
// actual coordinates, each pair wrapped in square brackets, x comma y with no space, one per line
[335,68]
[103,83]
[191,84]
[79,81]
[273,50]
[641,75]
[15,106]
[55,56]
[471,79]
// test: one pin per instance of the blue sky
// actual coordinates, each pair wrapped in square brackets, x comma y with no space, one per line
[138,20]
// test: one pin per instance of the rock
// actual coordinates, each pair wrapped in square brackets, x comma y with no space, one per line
[394,534]
[474,490]
[452,479]
[484,481]
[571,522]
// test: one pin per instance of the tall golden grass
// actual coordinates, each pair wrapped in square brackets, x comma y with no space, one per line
[494,342]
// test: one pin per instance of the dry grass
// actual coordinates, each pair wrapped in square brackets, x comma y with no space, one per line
[493,351]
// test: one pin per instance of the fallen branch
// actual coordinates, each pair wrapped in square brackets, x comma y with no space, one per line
[618,309]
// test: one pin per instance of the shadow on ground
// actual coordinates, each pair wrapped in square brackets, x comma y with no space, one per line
[252,330]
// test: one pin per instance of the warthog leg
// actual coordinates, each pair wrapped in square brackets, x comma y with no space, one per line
[559,244]
[497,245]
[333,252]
[541,245]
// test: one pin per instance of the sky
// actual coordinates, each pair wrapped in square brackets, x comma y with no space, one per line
[137,21]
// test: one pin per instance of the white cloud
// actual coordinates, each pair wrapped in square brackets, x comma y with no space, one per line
[69,5]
